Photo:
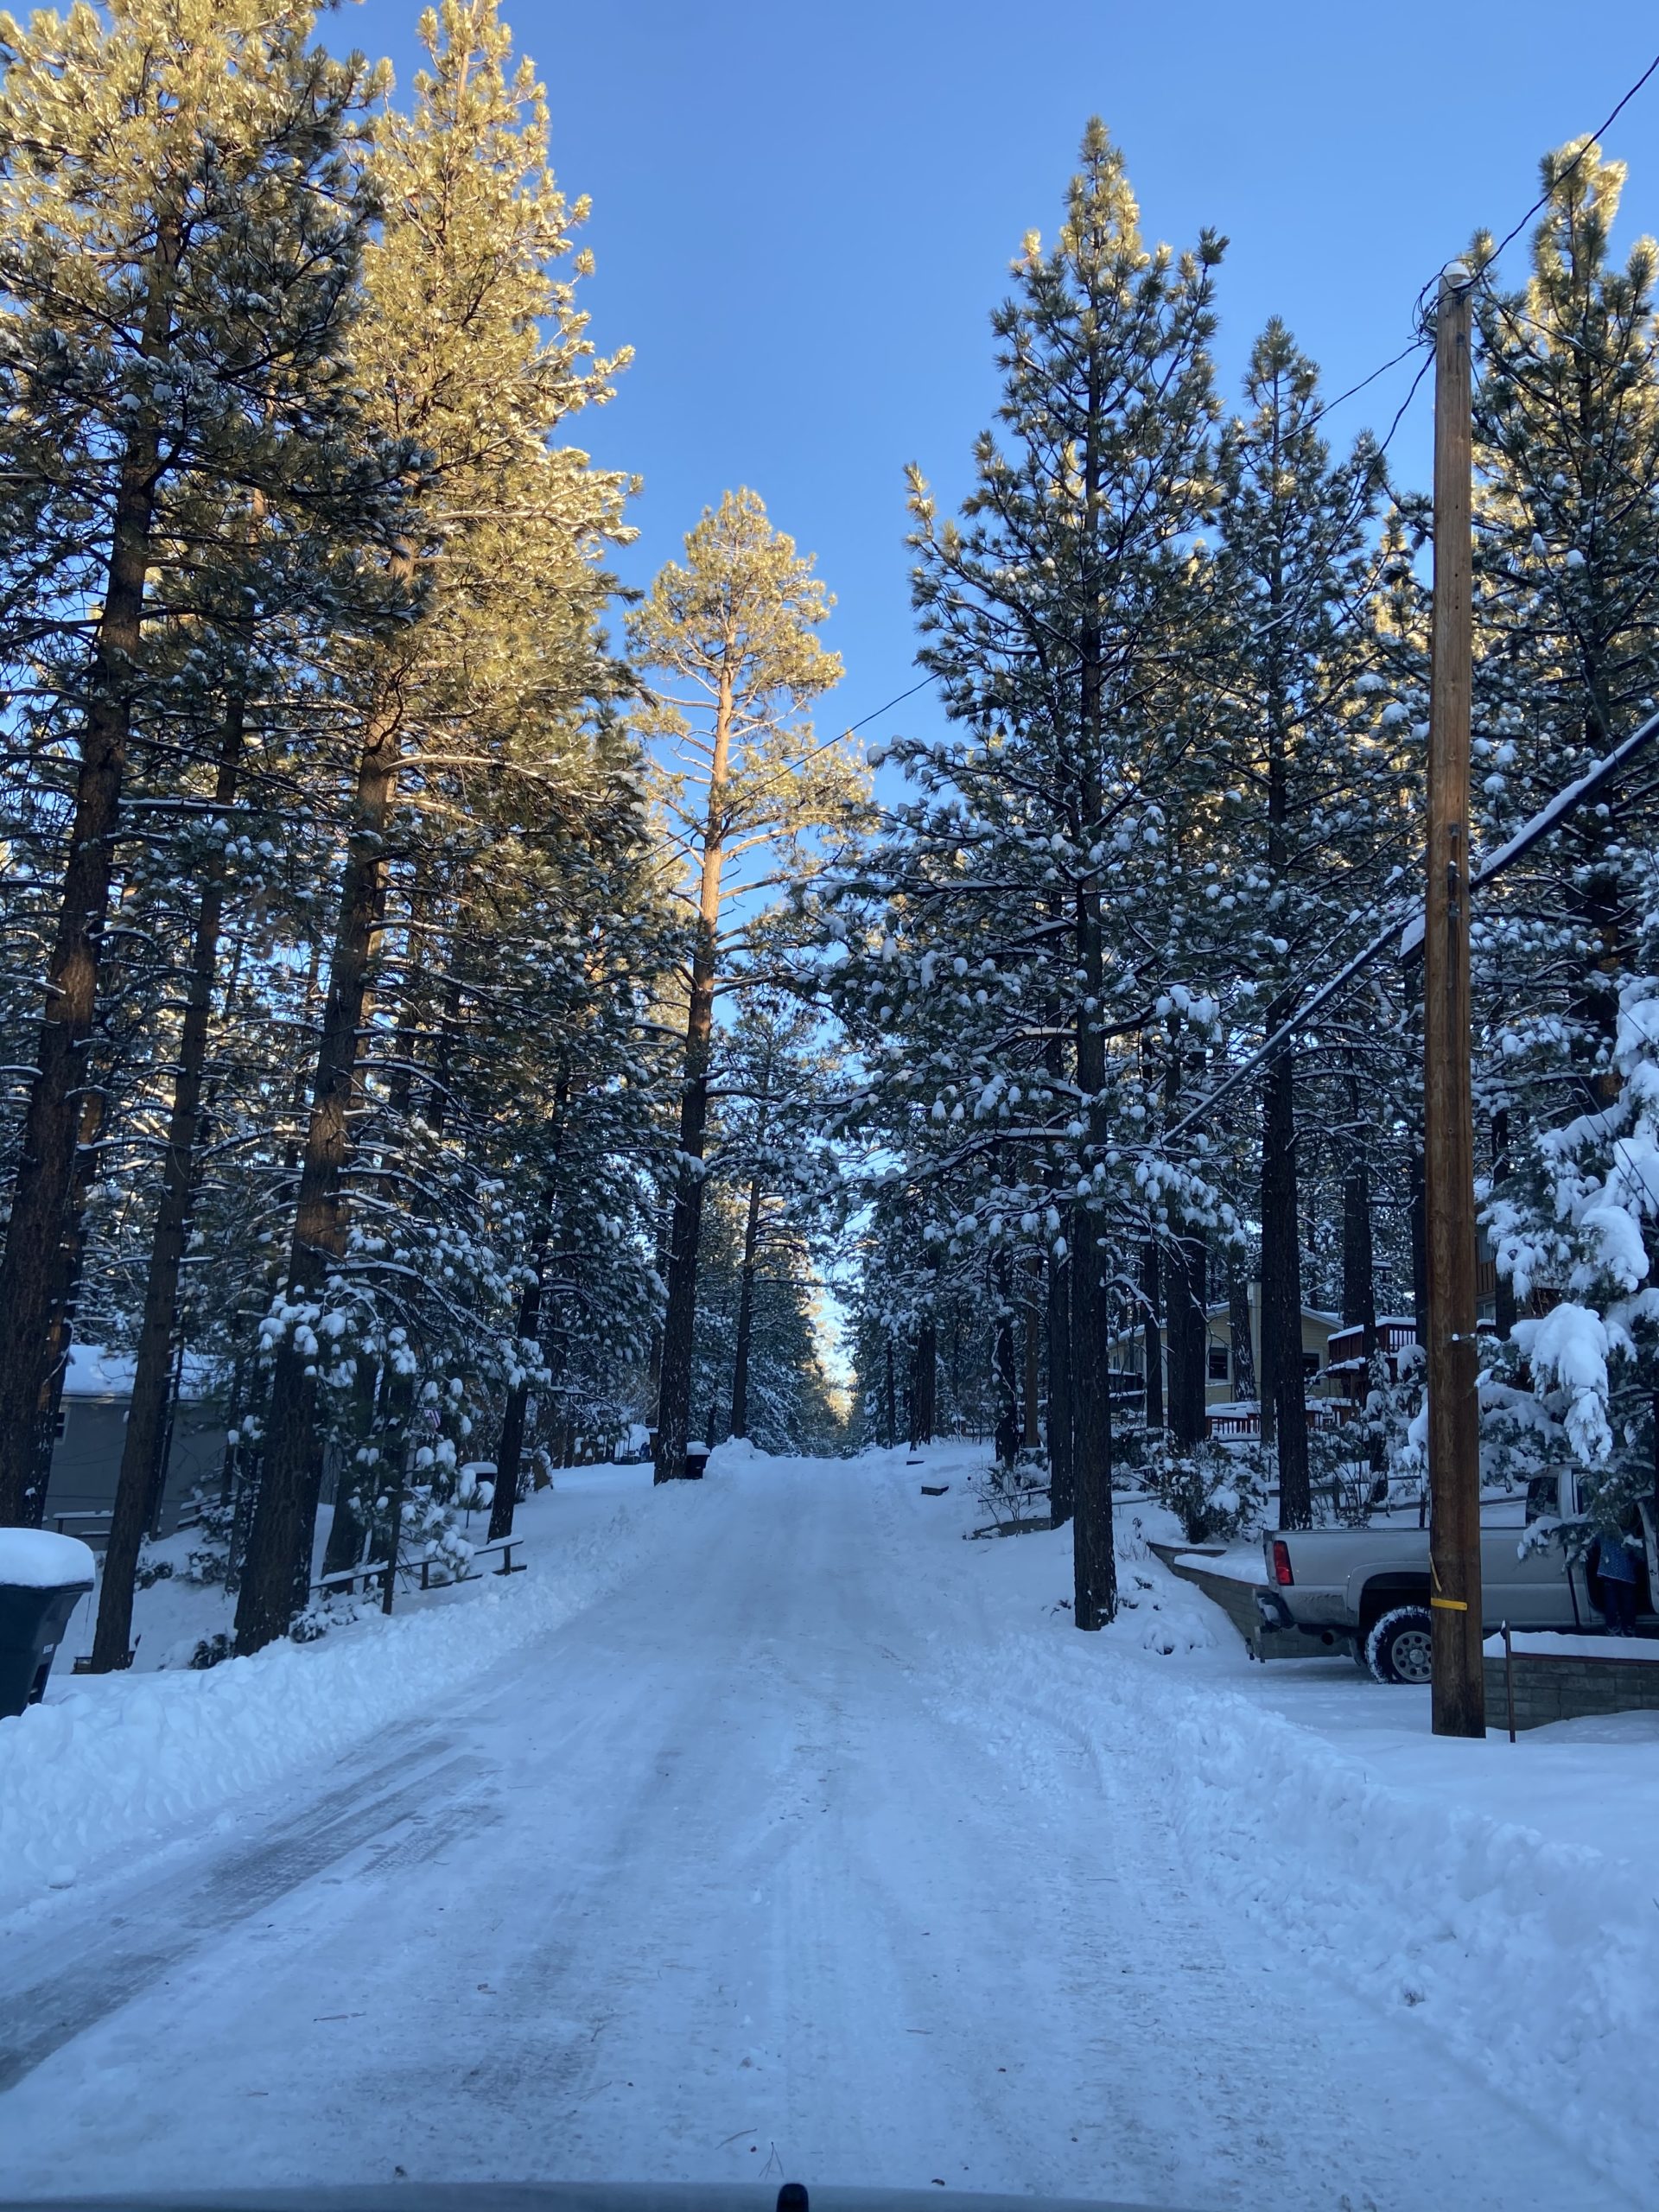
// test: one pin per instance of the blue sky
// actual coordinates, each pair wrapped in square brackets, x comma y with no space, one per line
[802,216]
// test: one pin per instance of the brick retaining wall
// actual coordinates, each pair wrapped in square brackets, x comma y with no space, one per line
[1569,1689]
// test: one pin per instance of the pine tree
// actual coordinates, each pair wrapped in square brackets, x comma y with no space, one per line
[1567,456]
[731,637]
[181,206]
[773,1081]
[1057,617]
[1567,605]
[1310,804]
[472,348]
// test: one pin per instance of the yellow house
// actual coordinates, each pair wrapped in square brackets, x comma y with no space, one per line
[1221,1385]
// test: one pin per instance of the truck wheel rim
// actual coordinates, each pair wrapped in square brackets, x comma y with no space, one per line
[1413,1655]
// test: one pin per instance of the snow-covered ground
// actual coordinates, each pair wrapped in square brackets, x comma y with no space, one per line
[766,1826]
[113,1761]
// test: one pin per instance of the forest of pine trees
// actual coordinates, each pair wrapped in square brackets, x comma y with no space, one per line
[480,1015]
[1182,636]
[347,845]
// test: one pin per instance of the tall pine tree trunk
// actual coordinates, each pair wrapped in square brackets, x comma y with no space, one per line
[510,1445]
[1185,1285]
[1238,1331]
[1503,1310]
[1094,1566]
[1152,1333]
[745,1313]
[654,1357]
[1358,1267]
[45,1180]
[278,1566]
[349,1523]
[1031,1438]
[1060,1487]
[1284,1390]
[1282,1284]
[145,1438]
[1358,1259]
[510,1448]
[924,1389]
[1186,1329]
[1003,1360]
[685,1233]
[1594,904]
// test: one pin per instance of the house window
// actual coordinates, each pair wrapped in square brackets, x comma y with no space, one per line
[1310,1364]
[1217,1362]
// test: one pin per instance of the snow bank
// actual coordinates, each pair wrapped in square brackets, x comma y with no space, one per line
[1537,1962]
[736,1451]
[1545,1645]
[121,1757]
[39,1559]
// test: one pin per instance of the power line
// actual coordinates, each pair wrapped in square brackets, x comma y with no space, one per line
[1421,342]
[1404,354]
[1559,176]
[897,702]
[1421,338]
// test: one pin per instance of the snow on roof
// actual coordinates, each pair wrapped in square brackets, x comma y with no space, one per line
[95,1373]
[1309,1312]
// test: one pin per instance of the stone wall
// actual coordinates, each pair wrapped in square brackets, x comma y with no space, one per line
[1569,1689]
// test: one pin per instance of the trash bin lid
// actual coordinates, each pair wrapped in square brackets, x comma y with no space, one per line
[39,1559]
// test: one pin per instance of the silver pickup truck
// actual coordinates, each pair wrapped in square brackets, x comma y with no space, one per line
[1366,1590]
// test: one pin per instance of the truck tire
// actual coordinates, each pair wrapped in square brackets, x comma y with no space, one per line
[1399,1646]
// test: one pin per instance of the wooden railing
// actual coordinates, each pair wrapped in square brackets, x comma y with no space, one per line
[1243,1423]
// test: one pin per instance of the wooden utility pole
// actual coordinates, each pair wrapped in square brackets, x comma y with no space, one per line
[1459,1695]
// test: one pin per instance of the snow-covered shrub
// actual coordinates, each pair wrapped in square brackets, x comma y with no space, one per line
[475,1486]
[153,1567]
[1348,1468]
[1216,1493]
[433,1532]
[1013,1496]
[1396,1420]
[210,1559]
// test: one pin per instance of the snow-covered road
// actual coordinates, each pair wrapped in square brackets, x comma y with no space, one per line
[765,1864]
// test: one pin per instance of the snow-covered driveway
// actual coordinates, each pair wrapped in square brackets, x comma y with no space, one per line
[766,1864]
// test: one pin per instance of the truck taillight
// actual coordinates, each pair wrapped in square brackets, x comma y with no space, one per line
[1281,1573]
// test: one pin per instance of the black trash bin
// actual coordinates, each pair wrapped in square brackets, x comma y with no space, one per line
[43,1576]
[697,1459]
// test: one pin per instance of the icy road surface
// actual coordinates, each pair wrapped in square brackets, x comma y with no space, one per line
[765,1865]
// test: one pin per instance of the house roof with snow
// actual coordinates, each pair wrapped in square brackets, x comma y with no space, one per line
[95,1373]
